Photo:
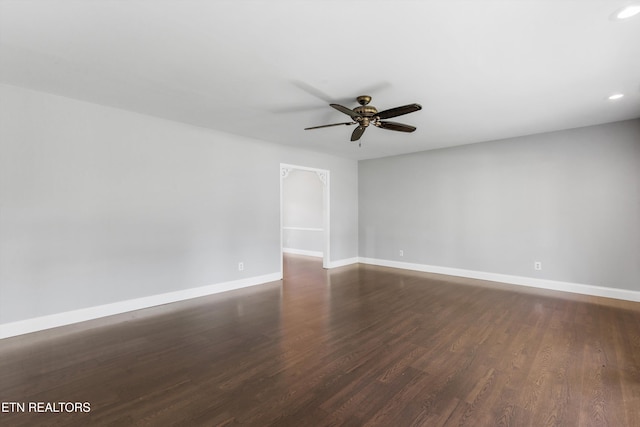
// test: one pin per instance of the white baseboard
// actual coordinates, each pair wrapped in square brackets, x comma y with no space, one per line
[343,262]
[66,318]
[69,317]
[317,254]
[577,288]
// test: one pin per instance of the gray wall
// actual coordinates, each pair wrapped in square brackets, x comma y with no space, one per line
[302,207]
[569,199]
[99,205]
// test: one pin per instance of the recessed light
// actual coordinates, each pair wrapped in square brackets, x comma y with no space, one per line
[627,11]
[616,96]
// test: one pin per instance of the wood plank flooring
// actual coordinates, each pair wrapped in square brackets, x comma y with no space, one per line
[353,346]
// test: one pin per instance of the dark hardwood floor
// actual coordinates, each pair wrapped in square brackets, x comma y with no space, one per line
[354,346]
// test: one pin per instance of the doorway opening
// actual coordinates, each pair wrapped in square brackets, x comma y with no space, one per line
[304,212]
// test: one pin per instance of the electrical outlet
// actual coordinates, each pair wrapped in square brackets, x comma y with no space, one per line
[240,266]
[401,252]
[537,265]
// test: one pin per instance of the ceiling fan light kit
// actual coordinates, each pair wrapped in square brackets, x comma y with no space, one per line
[365,115]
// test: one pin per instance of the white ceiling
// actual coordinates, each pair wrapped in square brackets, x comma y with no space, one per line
[482,70]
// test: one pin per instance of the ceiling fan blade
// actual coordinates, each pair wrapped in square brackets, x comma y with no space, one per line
[334,124]
[299,108]
[395,126]
[357,133]
[346,110]
[399,111]
[313,91]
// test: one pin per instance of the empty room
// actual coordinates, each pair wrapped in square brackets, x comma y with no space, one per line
[320,213]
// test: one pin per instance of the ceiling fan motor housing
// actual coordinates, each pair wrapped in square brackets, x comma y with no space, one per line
[366,110]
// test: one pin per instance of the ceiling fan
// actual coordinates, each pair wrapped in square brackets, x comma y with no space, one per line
[366,115]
